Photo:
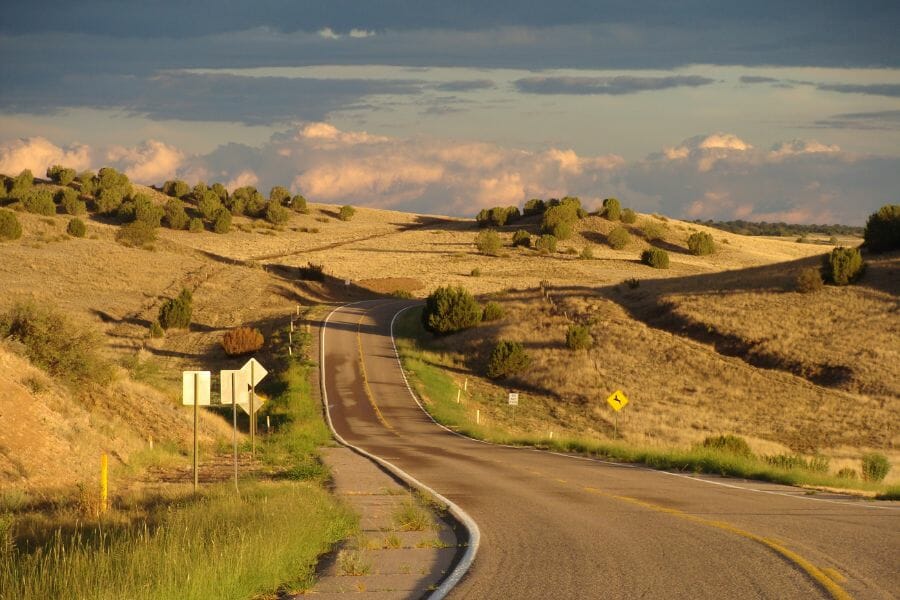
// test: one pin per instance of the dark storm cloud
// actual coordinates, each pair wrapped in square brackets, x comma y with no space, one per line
[612,86]
[203,97]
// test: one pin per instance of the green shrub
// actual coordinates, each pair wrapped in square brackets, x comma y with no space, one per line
[883,229]
[39,201]
[195,225]
[55,344]
[809,281]
[109,178]
[875,467]
[546,244]
[279,194]
[578,337]
[136,234]
[843,265]
[87,183]
[61,175]
[816,464]
[298,204]
[108,200]
[497,216]
[476,272]
[535,206]
[70,202]
[222,221]
[587,253]
[450,309]
[346,213]
[653,231]
[146,210]
[76,228]
[701,243]
[628,216]
[492,312]
[612,209]
[656,258]
[618,238]
[521,238]
[176,188]
[19,185]
[559,221]
[176,217]
[209,204]
[175,313]
[246,200]
[219,190]
[276,213]
[156,330]
[10,229]
[729,443]
[507,358]
[488,242]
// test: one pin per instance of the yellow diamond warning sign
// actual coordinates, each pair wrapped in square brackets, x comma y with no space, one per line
[617,400]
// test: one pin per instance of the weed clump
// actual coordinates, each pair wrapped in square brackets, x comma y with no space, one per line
[578,337]
[816,464]
[587,253]
[656,258]
[507,358]
[450,309]
[653,231]
[175,313]
[847,473]
[875,467]
[195,225]
[488,242]
[809,281]
[883,229]
[492,311]
[137,234]
[55,344]
[629,216]
[76,228]
[618,238]
[843,265]
[10,228]
[242,340]
[729,443]
[311,272]
[156,330]
[701,244]
[546,244]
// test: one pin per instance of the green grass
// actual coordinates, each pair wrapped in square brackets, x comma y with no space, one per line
[218,545]
[890,493]
[438,392]
[411,515]
[171,543]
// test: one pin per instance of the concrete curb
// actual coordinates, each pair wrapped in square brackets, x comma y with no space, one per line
[471,527]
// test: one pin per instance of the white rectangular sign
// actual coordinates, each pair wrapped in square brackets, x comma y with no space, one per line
[513,399]
[240,393]
[191,380]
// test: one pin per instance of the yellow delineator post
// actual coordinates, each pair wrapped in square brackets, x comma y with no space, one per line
[104,483]
[617,401]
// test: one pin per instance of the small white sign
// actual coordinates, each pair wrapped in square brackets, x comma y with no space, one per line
[240,393]
[347,282]
[513,399]
[259,371]
[195,380]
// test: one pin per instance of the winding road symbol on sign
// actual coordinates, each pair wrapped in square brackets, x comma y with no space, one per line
[617,400]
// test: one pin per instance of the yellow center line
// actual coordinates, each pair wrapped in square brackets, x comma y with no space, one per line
[818,575]
[365,377]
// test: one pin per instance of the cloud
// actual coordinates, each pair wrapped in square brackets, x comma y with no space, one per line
[360,33]
[242,179]
[707,150]
[149,163]
[783,150]
[328,33]
[467,85]
[884,120]
[758,79]
[38,153]
[891,90]
[613,86]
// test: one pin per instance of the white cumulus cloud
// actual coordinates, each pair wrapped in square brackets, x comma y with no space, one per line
[38,153]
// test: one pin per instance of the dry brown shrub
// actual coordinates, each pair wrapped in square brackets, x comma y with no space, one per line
[242,340]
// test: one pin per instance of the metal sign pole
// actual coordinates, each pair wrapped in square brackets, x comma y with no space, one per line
[196,442]
[252,412]
[234,433]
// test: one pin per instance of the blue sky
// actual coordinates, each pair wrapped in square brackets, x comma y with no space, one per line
[763,110]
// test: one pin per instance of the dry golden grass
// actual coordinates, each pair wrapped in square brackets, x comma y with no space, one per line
[682,387]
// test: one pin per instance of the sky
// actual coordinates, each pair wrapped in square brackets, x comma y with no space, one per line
[764,110]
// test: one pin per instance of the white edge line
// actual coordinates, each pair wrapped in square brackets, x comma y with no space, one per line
[468,522]
[608,462]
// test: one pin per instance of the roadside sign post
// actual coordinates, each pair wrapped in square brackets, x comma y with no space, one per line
[257,372]
[513,401]
[617,400]
[234,390]
[195,391]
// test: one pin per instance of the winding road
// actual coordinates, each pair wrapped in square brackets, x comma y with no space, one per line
[555,526]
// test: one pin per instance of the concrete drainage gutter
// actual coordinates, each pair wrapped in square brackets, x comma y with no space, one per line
[459,514]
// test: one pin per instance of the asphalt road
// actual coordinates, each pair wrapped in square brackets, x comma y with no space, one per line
[554,526]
